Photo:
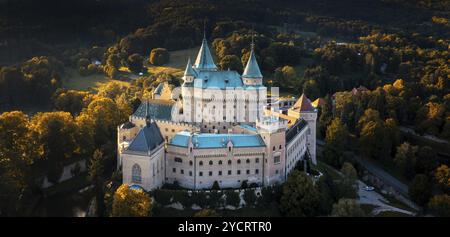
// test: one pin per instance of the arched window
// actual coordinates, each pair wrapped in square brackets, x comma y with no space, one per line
[190,162]
[247,161]
[136,174]
[210,162]
[220,162]
[200,163]
[229,162]
[238,161]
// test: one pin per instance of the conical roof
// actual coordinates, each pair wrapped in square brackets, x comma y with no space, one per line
[204,60]
[252,69]
[303,104]
[189,71]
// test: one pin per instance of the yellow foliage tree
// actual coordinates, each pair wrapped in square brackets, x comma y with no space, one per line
[129,202]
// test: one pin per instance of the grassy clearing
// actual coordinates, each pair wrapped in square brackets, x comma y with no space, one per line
[177,62]
[74,81]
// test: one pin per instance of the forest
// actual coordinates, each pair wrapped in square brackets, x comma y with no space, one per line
[397,50]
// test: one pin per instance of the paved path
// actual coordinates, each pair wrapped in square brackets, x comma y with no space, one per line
[67,173]
[374,198]
[426,136]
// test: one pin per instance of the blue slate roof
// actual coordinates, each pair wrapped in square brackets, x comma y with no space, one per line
[210,140]
[147,139]
[159,88]
[218,79]
[156,109]
[252,69]
[204,60]
[189,71]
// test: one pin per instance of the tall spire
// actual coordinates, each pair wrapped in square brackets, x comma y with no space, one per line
[204,60]
[252,69]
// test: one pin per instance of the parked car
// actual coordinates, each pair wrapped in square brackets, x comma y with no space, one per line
[369,188]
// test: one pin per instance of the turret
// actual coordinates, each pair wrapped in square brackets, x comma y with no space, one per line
[252,75]
[204,60]
[189,73]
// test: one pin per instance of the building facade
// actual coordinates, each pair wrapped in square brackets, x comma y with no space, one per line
[217,127]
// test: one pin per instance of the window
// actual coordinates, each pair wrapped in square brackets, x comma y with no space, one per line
[229,172]
[229,162]
[257,160]
[210,173]
[247,161]
[190,173]
[124,138]
[220,173]
[276,171]
[276,159]
[174,170]
[200,163]
[273,149]
[190,162]
[280,147]
[248,171]
[200,173]
[136,174]
[220,162]
[257,171]
[210,162]
[238,171]
[173,130]
[178,159]
[182,171]
[238,161]
[229,148]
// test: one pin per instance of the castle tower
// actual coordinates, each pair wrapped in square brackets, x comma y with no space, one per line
[252,75]
[272,129]
[204,60]
[189,73]
[303,109]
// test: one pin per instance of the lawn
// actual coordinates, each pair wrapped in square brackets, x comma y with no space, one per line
[74,81]
[177,62]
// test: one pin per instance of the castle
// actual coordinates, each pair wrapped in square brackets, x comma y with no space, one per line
[218,127]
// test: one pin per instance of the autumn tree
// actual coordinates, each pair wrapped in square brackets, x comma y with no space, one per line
[442,176]
[55,134]
[440,205]
[336,138]
[16,156]
[300,197]
[347,186]
[405,159]
[129,202]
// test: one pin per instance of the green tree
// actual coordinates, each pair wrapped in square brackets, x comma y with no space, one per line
[95,174]
[347,184]
[135,63]
[337,137]
[347,208]
[215,186]
[405,158]
[159,56]
[420,189]
[231,62]
[232,198]
[300,197]
[440,205]
[131,203]
[249,197]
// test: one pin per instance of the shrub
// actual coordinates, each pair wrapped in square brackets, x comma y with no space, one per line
[159,56]
[249,197]
[232,198]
